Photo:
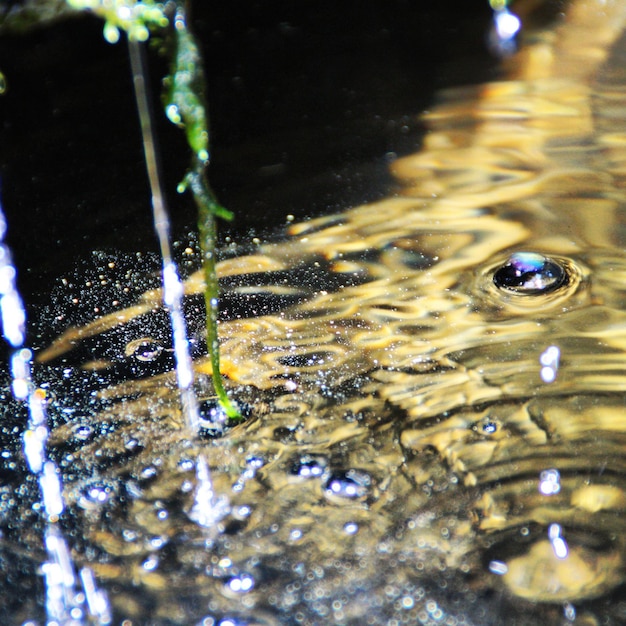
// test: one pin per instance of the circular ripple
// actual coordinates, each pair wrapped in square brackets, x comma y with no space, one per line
[530,280]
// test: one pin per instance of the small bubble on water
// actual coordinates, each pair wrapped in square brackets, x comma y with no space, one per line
[351,528]
[158,542]
[94,495]
[549,360]
[131,443]
[148,472]
[559,545]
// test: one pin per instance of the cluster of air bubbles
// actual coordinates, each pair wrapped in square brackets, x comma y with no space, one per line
[529,273]
[309,466]
[348,485]
[549,482]
[242,583]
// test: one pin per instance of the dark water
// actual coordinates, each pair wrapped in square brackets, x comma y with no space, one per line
[417,452]
[306,103]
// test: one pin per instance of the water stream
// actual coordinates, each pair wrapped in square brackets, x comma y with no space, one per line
[436,383]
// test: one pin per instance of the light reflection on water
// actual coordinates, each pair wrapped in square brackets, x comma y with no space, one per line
[408,459]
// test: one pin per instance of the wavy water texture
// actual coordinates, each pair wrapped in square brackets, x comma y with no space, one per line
[407,460]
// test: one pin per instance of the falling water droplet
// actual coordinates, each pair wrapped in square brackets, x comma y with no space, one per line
[529,273]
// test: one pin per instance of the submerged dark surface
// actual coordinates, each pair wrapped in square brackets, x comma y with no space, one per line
[307,101]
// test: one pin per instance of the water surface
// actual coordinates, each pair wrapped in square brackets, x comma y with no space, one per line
[436,431]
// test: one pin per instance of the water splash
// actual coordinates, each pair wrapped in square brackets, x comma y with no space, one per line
[208,509]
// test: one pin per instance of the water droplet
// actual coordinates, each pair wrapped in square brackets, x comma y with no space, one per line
[350,485]
[529,273]
[173,114]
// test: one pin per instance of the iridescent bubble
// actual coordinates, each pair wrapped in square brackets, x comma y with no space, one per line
[529,273]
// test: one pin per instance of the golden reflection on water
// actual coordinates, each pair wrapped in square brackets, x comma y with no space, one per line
[394,468]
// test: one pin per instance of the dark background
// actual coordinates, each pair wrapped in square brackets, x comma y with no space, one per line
[308,101]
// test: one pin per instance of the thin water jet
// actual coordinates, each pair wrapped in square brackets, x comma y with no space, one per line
[69,601]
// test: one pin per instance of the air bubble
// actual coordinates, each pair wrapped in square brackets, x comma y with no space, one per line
[529,273]
[144,350]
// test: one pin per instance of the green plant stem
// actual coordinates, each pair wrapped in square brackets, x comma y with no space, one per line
[207,205]
[185,107]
